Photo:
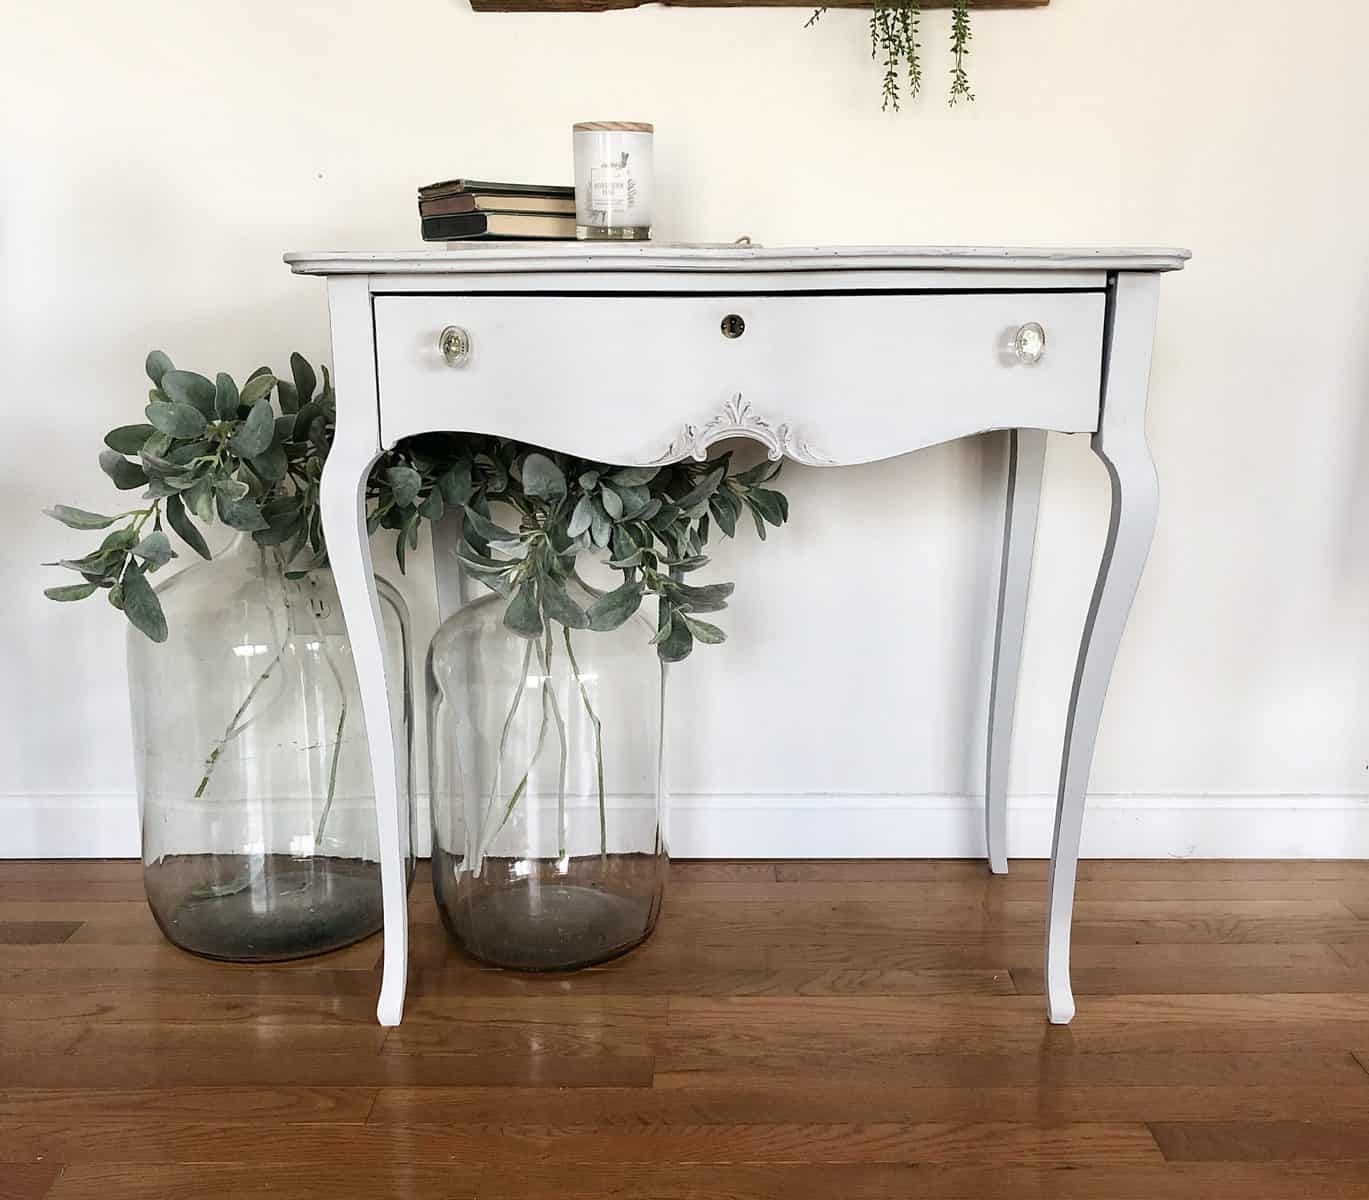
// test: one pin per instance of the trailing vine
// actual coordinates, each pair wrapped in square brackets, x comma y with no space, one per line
[895,28]
[960,47]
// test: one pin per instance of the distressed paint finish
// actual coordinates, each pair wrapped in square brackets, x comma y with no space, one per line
[797,394]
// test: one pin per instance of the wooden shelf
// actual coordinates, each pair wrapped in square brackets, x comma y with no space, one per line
[604,5]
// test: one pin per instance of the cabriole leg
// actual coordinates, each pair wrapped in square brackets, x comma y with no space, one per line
[342,502]
[1026,462]
[1121,443]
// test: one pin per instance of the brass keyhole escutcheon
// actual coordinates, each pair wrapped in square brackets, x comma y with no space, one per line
[733,326]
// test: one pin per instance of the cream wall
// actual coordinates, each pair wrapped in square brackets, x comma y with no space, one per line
[157,158]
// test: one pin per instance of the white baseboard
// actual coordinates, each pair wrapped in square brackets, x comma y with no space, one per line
[105,825]
[64,825]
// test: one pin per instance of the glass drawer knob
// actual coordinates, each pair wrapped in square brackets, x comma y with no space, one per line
[1029,344]
[455,344]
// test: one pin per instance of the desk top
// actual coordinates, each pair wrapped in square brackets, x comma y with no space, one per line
[559,257]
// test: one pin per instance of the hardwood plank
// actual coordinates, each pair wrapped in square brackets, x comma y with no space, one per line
[940,1142]
[890,870]
[622,979]
[861,927]
[915,945]
[287,1065]
[894,1012]
[190,1007]
[218,1103]
[896,913]
[512,1037]
[1011,887]
[990,952]
[1159,957]
[75,870]
[61,889]
[349,1176]
[881,1182]
[26,1037]
[133,929]
[684,871]
[508,1148]
[170,1063]
[1263,1141]
[208,1040]
[565,1026]
[1198,978]
[628,1012]
[164,965]
[899,1070]
[725,1060]
[810,1100]
[103,911]
[1352,954]
[36,933]
[1211,889]
[705,1031]
[26,1181]
[179,979]
[317,1181]
[1160,869]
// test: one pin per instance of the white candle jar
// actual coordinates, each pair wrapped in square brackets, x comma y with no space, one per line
[613,180]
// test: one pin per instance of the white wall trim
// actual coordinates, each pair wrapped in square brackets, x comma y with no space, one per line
[66,825]
[105,825]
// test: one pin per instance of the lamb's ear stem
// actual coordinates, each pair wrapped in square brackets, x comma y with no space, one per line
[499,760]
[598,747]
[549,694]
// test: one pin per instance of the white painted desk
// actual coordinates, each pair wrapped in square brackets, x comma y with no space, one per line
[829,356]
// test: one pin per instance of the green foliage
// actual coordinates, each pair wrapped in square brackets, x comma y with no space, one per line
[653,523]
[213,451]
[79,518]
[895,26]
[209,451]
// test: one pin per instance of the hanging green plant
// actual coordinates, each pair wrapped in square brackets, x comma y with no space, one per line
[895,29]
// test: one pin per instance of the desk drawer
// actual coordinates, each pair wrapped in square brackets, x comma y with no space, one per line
[840,378]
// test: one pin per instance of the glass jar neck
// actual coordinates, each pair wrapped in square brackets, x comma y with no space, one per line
[265,561]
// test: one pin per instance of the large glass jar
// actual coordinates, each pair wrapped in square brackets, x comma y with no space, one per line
[547,804]
[254,779]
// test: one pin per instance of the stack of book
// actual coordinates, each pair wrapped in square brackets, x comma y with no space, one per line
[459,209]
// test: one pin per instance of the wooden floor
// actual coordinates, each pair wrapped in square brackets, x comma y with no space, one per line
[810,1031]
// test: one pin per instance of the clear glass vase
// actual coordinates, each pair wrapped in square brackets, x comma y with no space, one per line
[254,779]
[547,806]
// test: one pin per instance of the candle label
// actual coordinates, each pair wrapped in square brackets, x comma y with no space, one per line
[612,187]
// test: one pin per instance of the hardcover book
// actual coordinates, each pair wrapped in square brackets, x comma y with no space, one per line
[451,187]
[497,225]
[463,202]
